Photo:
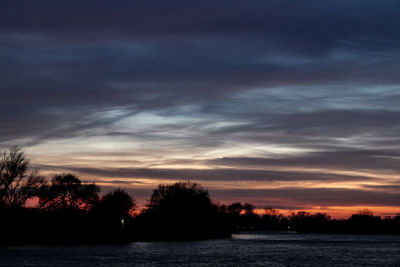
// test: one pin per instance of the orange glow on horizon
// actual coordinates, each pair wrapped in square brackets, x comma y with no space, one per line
[336,212]
[341,212]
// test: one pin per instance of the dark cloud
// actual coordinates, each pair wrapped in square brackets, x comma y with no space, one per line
[116,182]
[307,197]
[317,128]
[179,17]
[395,188]
[339,160]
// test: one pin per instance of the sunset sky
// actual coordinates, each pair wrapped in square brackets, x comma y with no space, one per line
[288,104]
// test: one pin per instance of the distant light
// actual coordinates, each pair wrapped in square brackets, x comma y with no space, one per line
[122,223]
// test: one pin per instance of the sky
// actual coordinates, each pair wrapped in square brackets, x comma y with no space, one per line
[293,105]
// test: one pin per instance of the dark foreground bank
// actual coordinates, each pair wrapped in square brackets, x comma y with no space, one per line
[176,223]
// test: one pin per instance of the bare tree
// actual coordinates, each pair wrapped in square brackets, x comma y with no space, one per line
[271,212]
[16,184]
[66,191]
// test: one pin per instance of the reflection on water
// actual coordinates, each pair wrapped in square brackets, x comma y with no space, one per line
[261,248]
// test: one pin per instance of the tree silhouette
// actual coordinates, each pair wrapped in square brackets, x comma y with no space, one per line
[235,208]
[364,222]
[179,197]
[66,191]
[16,185]
[273,220]
[306,222]
[181,211]
[111,216]
[271,212]
[248,208]
[116,204]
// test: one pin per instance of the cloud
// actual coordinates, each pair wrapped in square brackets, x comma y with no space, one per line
[215,174]
[308,197]
[223,84]
[356,159]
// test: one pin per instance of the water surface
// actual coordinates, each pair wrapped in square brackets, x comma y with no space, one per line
[245,249]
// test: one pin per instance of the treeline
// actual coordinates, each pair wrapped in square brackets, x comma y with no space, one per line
[69,211]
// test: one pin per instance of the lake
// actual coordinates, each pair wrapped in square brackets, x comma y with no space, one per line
[245,249]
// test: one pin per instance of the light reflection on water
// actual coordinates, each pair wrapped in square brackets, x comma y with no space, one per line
[245,249]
